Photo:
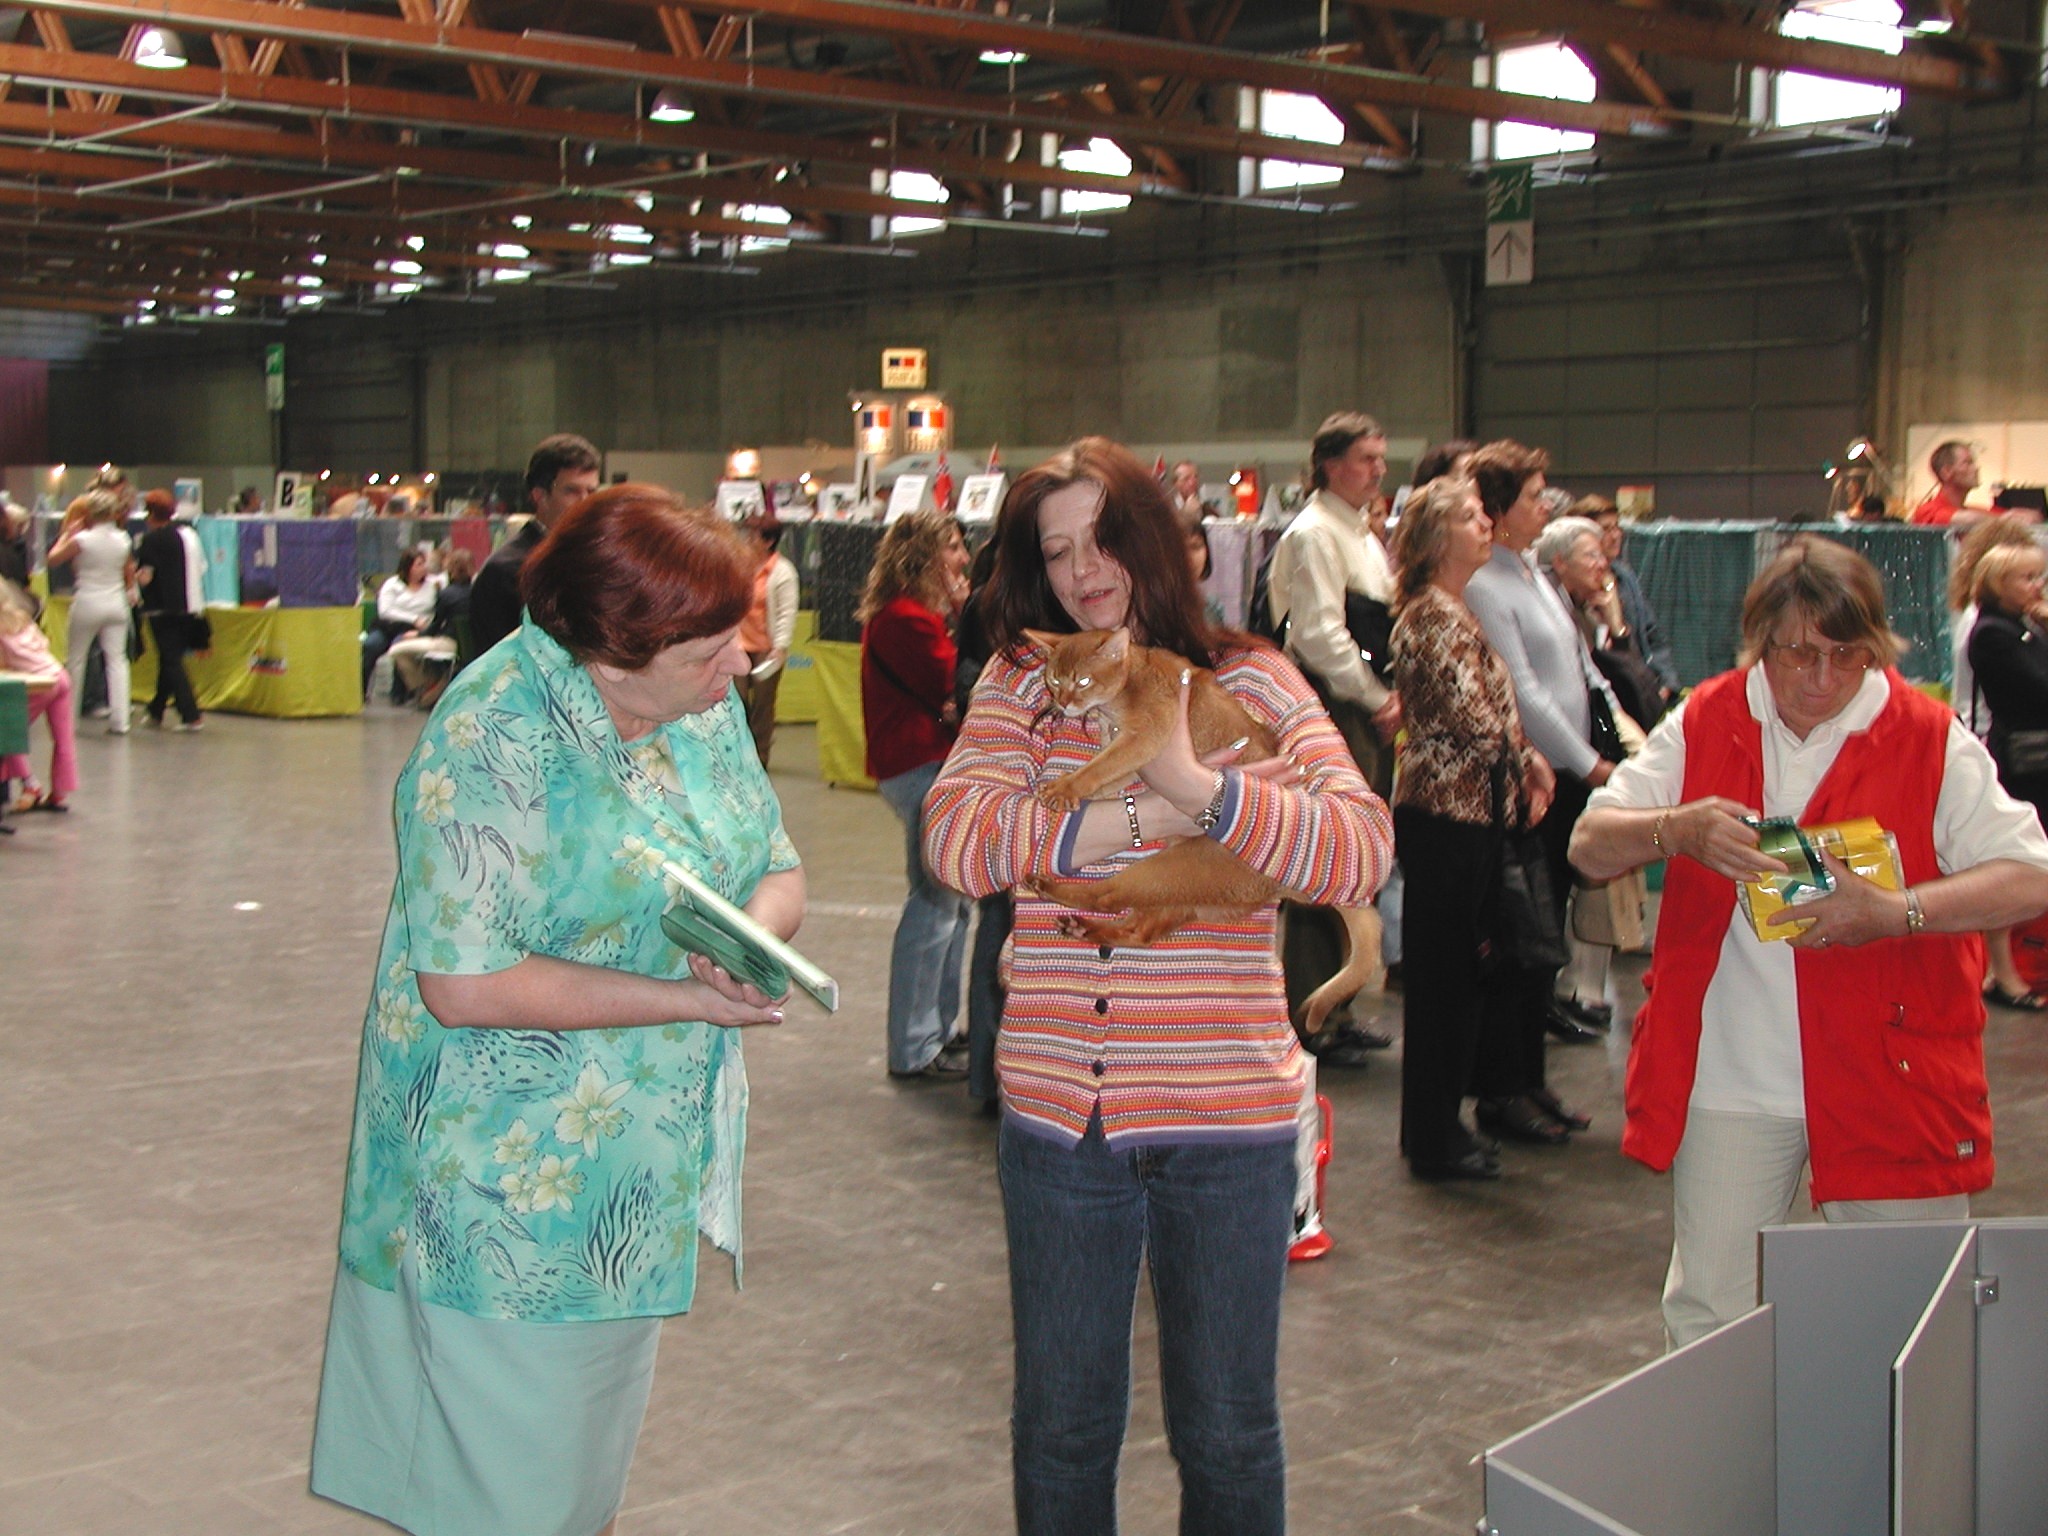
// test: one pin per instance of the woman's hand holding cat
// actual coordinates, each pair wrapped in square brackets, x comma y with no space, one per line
[1175,772]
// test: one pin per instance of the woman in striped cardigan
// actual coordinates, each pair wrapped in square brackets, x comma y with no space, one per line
[1149,1095]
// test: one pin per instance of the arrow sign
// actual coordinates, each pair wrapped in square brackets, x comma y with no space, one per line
[1510,253]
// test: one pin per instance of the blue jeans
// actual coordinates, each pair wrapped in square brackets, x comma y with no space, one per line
[1213,1221]
[931,938]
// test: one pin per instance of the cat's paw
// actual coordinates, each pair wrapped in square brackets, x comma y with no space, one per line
[1060,795]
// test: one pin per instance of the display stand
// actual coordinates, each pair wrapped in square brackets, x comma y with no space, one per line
[1896,1379]
[284,663]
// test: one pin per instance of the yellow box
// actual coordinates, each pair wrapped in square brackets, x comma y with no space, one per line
[1862,844]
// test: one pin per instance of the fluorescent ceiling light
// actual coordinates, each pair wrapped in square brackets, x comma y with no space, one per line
[1003,56]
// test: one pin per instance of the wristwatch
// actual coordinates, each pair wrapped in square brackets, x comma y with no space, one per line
[1213,811]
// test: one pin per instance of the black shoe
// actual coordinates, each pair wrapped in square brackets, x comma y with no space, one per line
[1551,1105]
[1348,1044]
[1519,1119]
[1474,1165]
[1565,1024]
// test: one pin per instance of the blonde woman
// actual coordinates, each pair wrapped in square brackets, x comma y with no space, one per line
[92,537]
[907,657]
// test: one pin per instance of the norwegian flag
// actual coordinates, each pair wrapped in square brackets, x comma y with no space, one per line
[942,485]
[1159,469]
[995,459]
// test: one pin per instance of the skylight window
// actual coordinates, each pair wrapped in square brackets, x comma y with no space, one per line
[1798,98]
[1102,158]
[916,187]
[1290,115]
[760,213]
[1541,69]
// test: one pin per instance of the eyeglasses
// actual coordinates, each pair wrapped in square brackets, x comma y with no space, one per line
[1804,658]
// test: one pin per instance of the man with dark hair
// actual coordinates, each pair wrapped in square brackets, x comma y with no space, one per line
[1955,475]
[562,471]
[169,565]
[1330,574]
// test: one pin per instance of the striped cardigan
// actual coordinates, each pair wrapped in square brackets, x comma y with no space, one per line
[1188,1039]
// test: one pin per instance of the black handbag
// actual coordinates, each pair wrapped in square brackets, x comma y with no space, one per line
[135,623]
[1526,927]
[1634,684]
[2020,754]
[1371,623]
[198,632]
[1605,738]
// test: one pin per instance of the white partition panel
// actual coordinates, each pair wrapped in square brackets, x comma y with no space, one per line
[1847,1297]
[1934,1409]
[1707,1412]
[2012,1379]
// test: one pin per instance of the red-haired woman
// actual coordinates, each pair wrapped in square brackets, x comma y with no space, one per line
[1150,1094]
[552,1103]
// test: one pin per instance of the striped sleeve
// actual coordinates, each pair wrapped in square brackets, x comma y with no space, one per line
[984,828]
[1329,838]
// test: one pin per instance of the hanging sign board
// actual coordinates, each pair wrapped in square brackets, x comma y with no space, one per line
[903,367]
[1510,225]
[273,376]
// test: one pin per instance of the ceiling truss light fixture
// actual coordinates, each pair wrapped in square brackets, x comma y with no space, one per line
[1004,56]
[671,106]
[159,48]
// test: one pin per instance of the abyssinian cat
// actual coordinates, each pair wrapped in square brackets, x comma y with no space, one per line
[1136,689]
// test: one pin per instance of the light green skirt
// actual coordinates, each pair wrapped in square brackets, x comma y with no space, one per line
[452,1425]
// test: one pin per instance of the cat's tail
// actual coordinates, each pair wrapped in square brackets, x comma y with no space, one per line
[1361,969]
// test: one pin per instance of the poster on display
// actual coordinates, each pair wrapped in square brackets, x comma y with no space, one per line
[839,499]
[908,496]
[294,494]
[982,495]
[741,499]
[190,496]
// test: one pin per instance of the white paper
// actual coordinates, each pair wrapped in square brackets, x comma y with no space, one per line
[907,496]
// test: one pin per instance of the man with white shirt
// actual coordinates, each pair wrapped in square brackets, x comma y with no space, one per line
[1326,562]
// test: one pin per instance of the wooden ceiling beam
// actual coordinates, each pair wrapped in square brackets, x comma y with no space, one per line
[747,78]
[342,103]
[57,38]
[1677,34]
[1101,48]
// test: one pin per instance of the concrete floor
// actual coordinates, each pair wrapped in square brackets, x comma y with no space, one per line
[183,966]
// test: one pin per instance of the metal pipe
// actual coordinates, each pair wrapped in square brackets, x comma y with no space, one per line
[251,201]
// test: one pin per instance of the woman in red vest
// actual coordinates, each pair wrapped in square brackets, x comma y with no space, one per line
[1858,1042]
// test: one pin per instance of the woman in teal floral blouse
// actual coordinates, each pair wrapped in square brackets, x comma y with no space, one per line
[551,1103]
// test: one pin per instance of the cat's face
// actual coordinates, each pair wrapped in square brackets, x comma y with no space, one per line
[1085,671]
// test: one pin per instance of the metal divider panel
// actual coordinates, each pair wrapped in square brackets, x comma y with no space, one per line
[1847,1297]
[2012,1378]
[1934,1410]
[1706,1412]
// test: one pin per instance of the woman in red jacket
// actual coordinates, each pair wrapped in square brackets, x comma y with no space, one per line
[917,585]
[1858,1043]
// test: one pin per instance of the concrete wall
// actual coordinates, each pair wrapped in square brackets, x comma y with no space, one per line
[1967,319]
[1197,360]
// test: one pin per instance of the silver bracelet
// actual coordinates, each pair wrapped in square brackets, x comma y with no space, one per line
[1131,815]
[1213,811]
[1916,918]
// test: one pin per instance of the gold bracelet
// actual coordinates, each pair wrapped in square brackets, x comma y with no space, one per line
[1916,916]
[1657,835]
[1131,815]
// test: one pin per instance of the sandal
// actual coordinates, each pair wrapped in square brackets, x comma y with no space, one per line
[1520,1119]
[1551,1105]
[2025,1002]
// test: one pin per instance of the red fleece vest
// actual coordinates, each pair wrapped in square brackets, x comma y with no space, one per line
[1891,1033]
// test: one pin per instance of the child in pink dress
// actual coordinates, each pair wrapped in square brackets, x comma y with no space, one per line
[23,649]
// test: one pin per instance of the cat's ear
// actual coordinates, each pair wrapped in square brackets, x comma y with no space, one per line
[1118,644]
[1041,640]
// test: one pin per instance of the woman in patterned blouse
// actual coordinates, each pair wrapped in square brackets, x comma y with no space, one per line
[1466,763]
[551,1104]
[1149,1094]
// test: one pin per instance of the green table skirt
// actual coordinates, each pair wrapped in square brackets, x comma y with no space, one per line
[287,663]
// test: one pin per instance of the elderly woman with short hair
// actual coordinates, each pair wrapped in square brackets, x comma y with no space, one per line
[1467,773]
[1858,1043]
[551,1105]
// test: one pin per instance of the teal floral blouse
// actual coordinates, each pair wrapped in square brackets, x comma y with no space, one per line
[539,1175]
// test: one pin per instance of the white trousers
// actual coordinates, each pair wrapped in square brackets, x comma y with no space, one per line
[103,618]
[1735,1174]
